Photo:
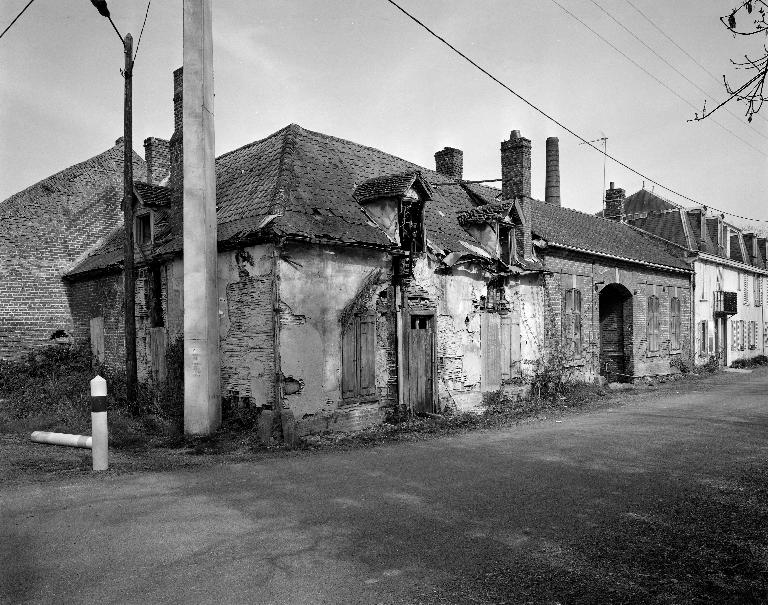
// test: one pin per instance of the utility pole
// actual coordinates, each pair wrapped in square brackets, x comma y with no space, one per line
[129,298]
[202,394]
[128,270]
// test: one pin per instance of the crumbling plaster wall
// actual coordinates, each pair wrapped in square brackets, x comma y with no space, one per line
[318,284]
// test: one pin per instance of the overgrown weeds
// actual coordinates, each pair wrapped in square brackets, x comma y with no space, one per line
[750,362]
[49,389]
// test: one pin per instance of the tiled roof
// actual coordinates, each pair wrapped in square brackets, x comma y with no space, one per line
[152,195]
[667,225]
[300,183]
[585,232]
[386,186]
[646,201]
[493,211]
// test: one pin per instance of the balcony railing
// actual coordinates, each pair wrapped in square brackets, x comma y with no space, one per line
[725,303]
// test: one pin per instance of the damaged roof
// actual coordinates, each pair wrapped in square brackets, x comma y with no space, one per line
[299,183]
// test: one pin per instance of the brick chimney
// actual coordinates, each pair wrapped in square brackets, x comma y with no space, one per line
[515,166]
[552,188]
[450,162]
[176,145]
[614,203]
[157,154]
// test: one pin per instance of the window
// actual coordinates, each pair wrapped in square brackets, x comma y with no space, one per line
[675,324]
[358,357]
[412,224]
[654,324]
[572,321]
[703,338]
[143,230]
[506,244]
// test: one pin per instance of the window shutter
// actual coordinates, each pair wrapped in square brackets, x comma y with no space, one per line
[734,335]
[567,316]
[349,360]
[765,335]
[577,320]
[367,355]
[654,323]
[746,290]
[742,330]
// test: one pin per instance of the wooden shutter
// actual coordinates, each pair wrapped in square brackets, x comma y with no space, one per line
[742,335]
[97,339]
[349,360]
[367,356]
[568,319]
[490,349]
[577,321]
[734,335]
[674,323]
[653,323]
[506,348]
[765,335]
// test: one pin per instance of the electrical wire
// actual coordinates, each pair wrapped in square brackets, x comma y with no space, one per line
[649,74]
[555,120]
[16,18]
[682,50]
[141,33]
[664,60]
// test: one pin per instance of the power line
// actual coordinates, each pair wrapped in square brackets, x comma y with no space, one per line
[649,74]
[660,57]
[555,120]
[681,49]
[141,33]
[16,18]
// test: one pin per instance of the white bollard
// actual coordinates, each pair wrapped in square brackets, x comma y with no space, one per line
[99,431]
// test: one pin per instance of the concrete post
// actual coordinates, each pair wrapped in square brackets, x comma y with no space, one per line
[202,400]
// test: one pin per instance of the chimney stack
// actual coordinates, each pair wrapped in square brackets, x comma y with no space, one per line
[157,154]
[176,145]
[614,203]
[515,166]
[450,162]
[552,188]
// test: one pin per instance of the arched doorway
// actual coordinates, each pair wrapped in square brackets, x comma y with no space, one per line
[615,332]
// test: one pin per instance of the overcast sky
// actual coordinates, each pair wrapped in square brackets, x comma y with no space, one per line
[361,70]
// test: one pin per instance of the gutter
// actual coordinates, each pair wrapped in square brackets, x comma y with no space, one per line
[621,258]
[731,263]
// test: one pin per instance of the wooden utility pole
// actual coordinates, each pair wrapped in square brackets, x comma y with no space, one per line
[128,270]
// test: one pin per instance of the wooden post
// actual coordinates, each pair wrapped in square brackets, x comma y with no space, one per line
[128,270]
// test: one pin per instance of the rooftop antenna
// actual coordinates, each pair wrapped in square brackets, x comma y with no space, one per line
[604,140]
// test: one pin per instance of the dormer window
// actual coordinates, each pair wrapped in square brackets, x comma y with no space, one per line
[143,229]
[396,202]
[412,223]
[507,252]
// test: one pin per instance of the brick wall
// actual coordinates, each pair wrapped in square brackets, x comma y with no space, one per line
[46,229]
[590,275]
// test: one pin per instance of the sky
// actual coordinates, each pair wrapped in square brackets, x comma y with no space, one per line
[361,70]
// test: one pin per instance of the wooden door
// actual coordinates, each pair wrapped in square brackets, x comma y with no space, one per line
[491,352]
[420,377]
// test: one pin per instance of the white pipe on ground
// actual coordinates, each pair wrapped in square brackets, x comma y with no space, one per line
[62,439]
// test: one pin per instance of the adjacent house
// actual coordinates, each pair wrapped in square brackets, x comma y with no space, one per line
[731,274]
[46,229]
[352,281]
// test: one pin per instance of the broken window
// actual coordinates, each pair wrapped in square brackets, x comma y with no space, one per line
[358,357]
[654,324]
[412,225]
[506,244]
[675,323]
[143,230]
[572,320]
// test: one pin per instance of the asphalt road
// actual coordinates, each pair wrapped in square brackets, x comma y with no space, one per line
[546,512]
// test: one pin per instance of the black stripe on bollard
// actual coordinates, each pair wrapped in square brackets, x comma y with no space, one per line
[99,403]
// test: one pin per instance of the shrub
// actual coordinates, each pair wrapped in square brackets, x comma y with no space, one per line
[710,367]
[750,362]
